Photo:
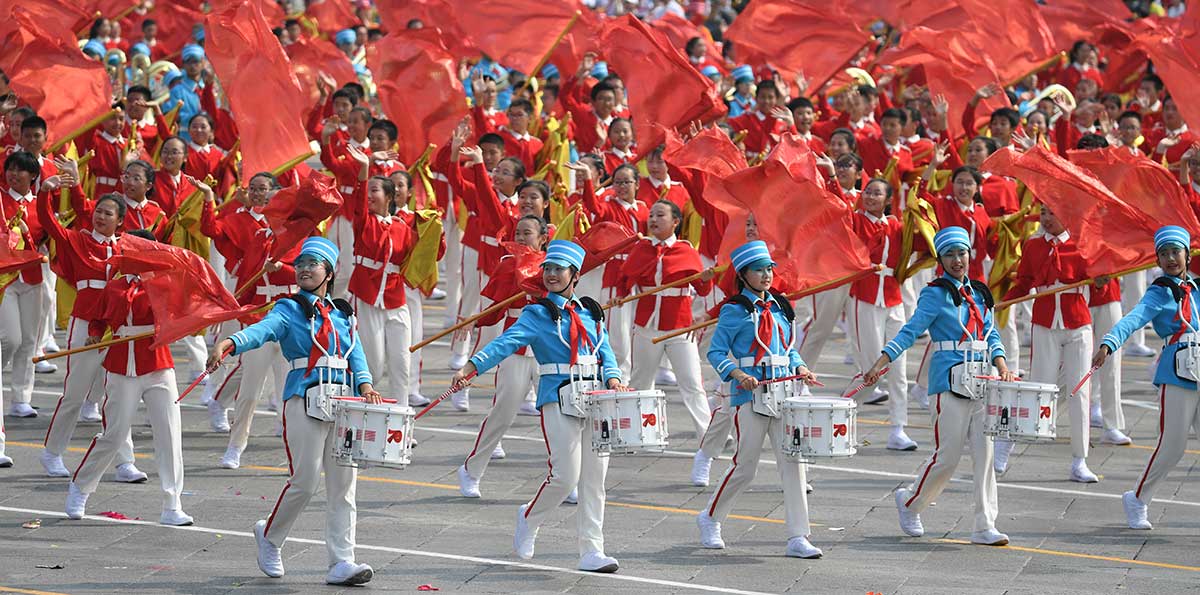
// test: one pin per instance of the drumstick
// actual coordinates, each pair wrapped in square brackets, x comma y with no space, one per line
[201,377]
[863,385]
[453,389]
[361,399]
[813,382]
[1085,379]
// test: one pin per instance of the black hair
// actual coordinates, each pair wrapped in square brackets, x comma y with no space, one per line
[895,112]
[1154,80]
[600,87]
[117,200]
[142,90]
[343,93]
[523,104]
[147,23]
[387,126]
[887,193]
[364,112]
[1091,141]
[1111,97]
[181,142]
[205,115]
[975,175]
[596,162]
[24,111]
[145,234]
[403,174]
[850,139]
[1008,113]
[854,158]
[290,22]
[95,29]
[676,212]
[1077,47]
[271,179]
[627,166]
[800,102]
[767,85]
[492,138]
[542,188]
[357,89]
[692,43]
[868,91]
[616,121]
[23,161]
[542,227]
[1130,114]
[389,189]
[518,167]
[148,169]
[992,144]
[33,123]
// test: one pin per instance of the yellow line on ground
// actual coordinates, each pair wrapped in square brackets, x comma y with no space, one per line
[1035,550]
[28,591]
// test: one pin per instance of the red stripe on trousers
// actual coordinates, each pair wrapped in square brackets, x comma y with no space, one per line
[548,463]
[936,446]
[1162,416]
[737,427]
[287,449]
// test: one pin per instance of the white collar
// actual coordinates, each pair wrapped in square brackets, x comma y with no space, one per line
[525,137]
[622,154]
[136,205]
[667,242]
[508,200]
[252,213]
[384,162]
[657,184]
[177,178]
[385,219]
[964,208]
[628,206]
[110,138]
[892,148]
[758,114]
[356,144]
[103,239]
[202,149]
[916,138]
[1081,67]
[873,218]
[1062,237]
[28,196]
[607,121]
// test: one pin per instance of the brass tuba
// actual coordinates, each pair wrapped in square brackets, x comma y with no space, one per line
[154,79]
[116,72]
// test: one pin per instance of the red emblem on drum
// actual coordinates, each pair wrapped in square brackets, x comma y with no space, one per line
[395,436]
[1045,412]
[649,419]
[839,430]
[624,423]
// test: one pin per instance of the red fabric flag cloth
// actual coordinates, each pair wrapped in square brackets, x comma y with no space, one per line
[794,36]
[310,57]
[1174,47]
[294,212]
[332,15]
[419,88]
[583,39]
[711,152]
[30,56]
[680,30]
[1073,20]
[271,9]
[437,15]
[663,87]
[61,18]
[515,33]
[13,256]
[1111,234]
[186,293]
[175,25]
[602,241]
[528,268]
[265,98]
[1142,183]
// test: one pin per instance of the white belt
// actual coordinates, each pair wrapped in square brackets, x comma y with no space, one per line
[959,346]
[334,363]
[620,256]
[375,265]
[129,330]
[554,369]
[90,284]
[347,189]
[106,181]
[1078,290]
[489,240]
[1187,338]
[274,290]
[770,360]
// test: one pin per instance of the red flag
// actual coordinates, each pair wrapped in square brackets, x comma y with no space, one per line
[528,267]
[311,56]
[419,89]
[1111,234]
[663,87]
[1175,50]
[175,24]
[602,241]
[13,256]
[680,30]
[1142,183]
[31,56]
[265,98]
[583,39]
[295,211]
[711,152]
[332,15]
[436,15]
[793,36]
[61,18]
[515,33]
[271,9]
[186,293]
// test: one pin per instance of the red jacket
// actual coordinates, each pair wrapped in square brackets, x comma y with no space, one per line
[574,98]
[81,259]
[652,263]
[125,308]
[1045,266]
[525,148]
[204,161]
[501,286]
[883,238]
[381,247]
[169,193]
[1099,296]
[609,208]
[651,191]
[487,120]
[146,214]
[614,158]
[761,131]
[106,164]
[10,204]
[975,221]
[245,239]
[492,218]
[999,195]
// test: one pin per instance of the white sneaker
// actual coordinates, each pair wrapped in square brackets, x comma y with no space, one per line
[129,473]
[5,461]
[51,346]
[1097,417]
[573,497]
[461,400]
[701,466]
[53,464]
[1081,474]
[524,537]
[1135,511]
[1003,449]
[1139,350]
[458,360]
[498,452]
[808,489]
[76,502]
[232,459]
[598,562]
[418,400]
[90,412]
[529,408]
[269,560]
[437,294]
[1115,436]
[900,441]
[910,522]
[848,359]
[44,367]
[218,419]
[799,547]
[710,532]
[989,537]
[665,377]
[878,396]
[22,410]
[349,574]
[176,518]
[468,486]
[920,394]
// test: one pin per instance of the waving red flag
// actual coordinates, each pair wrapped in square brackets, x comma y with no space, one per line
[13,256]
[680,30]
[794,36]
[419,89]
[711,152]
[1174,47]
[602,241]
[295,211]
[663,87]
[1142,183]
[32,56]
[311,56]
[60,18]
[265,98]
[515,33]
[394,16]
[175,24]
[1111,234]
[332,15]
[583,39]
[186,293]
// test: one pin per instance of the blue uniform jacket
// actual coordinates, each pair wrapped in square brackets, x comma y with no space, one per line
[735,339]
[536,329]
[936,312]
[1158,307]
[286,324]
[186,92]
[741,105]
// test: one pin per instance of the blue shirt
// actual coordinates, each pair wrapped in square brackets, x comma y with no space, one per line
[936,312]
[741,105]
[487,67]
[536,329]
[187,93]
[1158,307]
[735,338]
[286,325]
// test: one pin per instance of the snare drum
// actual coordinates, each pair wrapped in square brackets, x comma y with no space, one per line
[319,399]
[819,427]
[769,398]
[1020,411]
[628,422]
[368,435]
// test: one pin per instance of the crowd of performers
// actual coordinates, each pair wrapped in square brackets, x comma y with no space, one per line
[345,312]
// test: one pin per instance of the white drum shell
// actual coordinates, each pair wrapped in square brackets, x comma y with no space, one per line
[769,398]
[319,400]
[1020,411]
[368,435]
[819,427]
[628,422]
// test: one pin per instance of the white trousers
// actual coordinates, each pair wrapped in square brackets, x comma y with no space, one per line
[157,389]
[1106,382]
[473,282]
[452,261]
[84,382]
[416,334]
[955,421]
[870,326]
[1179,413]
[1,406]
[828,307]
[685,359]
[1062,357]
[514,377]
[225,380]
[257,365]
[720,424]
[386,336]
[197,355]
[341,232]
[1133,287]
[22,327]
[309,446]
[49,284]
[619,322]
[752,429]
[572,463]
[1010,338]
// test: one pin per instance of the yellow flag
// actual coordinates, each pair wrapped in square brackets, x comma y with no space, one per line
[918,218]
[184,227]
[1011,231]
[420,269]
[692,224]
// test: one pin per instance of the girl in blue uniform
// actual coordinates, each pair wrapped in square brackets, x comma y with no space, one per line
[958,314]
[751,345]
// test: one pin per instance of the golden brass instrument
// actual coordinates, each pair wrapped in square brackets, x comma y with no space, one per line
[154,76]
[116,72]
